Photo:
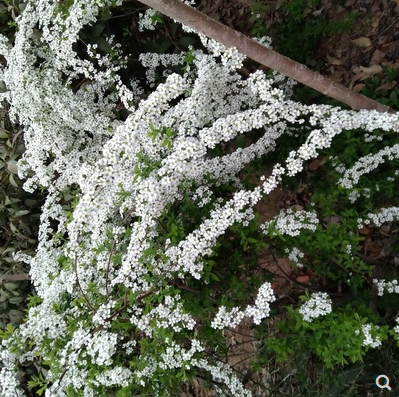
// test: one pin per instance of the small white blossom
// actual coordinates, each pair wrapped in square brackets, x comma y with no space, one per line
[369,340]
[318,305]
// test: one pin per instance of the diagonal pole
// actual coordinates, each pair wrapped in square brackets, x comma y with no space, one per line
[231,38]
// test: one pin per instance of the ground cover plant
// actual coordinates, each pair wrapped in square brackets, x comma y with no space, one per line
[149,239]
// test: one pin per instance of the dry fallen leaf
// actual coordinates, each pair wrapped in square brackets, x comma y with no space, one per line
[375,21]
[315,164]
[358,77]
[334,77]
[303,279]
[358,87]
[373,69]
[377,56]
[362,41]
[364,231]
[333,60]
[387,86]
[392,65]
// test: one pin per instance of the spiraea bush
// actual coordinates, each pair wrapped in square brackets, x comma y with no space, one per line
[148,238]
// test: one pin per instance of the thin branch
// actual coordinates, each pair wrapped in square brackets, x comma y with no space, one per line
[80,287]
[108,267]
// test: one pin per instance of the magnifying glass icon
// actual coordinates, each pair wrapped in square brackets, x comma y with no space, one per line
[384,385]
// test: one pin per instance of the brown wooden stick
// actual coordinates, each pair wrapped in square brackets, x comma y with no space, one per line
[259,53]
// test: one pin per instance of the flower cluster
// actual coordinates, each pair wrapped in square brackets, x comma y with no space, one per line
[367,164]
[291,222]
[261,309]
[389,286]
[165,315]
[318,305]
[147,20]
[225,318]
[153,60]
[231,318]
[396,328]
[295,255]
[388,214]
[369,340]
[101,347]
[176,357]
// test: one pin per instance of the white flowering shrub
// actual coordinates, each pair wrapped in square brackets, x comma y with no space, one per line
[149,241]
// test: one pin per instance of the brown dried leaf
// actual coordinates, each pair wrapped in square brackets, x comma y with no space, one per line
[358,77]
[334,77]
[315,164]
[333,60]
[387,86]
[364,231]
[375,21]
[392,65]
[334,219]
[303,279]
[377,56]
[358,87]
[373,69]
[362,42]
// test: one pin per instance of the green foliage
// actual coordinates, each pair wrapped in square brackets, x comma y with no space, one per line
[19,216]
[333,338]
[259,27]
[374,88]
[302,22]
[9,10]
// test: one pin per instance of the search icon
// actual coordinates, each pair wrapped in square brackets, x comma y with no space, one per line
[385,385]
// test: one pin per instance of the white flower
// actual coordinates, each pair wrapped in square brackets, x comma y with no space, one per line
[368,338]
[318,305]
[292,222]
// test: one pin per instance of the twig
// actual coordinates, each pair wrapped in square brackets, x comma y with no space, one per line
[123,15]
[108,266]
[389,27]
[286,276]
[80,287]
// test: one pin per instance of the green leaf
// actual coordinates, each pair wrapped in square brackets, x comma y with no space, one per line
[16,300]
[12,181]
[21,213]
[4,134]
[103,44]
[12,166]
[98,29]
